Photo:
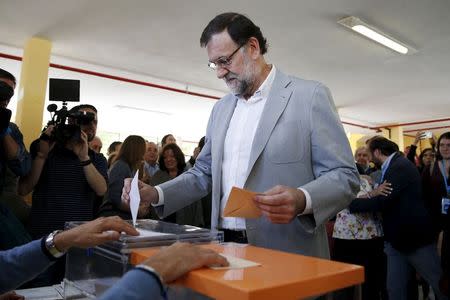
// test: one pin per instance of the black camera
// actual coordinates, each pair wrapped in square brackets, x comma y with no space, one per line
[67,122]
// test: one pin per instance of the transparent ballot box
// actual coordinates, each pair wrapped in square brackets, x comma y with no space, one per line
[90,272]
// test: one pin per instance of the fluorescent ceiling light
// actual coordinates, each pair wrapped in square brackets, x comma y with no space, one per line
[375,34]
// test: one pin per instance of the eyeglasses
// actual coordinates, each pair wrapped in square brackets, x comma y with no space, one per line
[223,61]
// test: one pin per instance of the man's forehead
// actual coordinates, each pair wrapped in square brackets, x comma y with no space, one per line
[90,110]
[220,45]
[362,151]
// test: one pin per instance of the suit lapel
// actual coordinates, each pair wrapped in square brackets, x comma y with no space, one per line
[276,103]
[222,126]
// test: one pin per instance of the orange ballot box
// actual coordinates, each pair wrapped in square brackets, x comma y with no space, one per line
[279,275]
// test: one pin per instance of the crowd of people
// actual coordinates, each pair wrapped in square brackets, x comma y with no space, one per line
[275,134]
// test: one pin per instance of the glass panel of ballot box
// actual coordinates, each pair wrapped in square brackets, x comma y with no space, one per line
[90,272]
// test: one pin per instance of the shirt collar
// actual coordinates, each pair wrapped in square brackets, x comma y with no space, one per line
[263,91]
[386,163]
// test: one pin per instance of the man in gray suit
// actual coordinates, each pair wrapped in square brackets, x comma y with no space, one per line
[274,134]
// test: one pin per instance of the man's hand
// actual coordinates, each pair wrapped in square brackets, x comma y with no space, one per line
[11,296]
[149,195]
[45,145]
[93,233]
[81,147]
[417,137]
[281,204]
[180,258]
[384,189]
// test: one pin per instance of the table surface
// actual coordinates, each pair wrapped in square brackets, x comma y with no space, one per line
[281,275]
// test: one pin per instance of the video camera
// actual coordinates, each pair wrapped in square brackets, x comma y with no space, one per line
[64,90]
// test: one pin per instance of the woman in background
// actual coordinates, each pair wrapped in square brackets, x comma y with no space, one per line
[436,189]
[113,149]
[171,164]
[168,139]
[128,161]
[358,239]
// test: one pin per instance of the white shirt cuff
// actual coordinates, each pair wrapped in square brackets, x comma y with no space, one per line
[160,196]
[308,207]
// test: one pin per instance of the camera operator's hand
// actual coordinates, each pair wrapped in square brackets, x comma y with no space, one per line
[81,148]
[45,144]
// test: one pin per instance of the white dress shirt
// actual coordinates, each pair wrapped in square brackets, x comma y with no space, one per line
[237,148]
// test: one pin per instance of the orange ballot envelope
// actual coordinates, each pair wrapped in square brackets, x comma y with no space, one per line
[240,204]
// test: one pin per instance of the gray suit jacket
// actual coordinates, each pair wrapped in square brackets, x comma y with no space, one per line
[299,142]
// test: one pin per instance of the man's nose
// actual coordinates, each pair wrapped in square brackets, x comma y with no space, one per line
[221,72]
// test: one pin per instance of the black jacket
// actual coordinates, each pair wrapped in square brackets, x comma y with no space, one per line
[406,222]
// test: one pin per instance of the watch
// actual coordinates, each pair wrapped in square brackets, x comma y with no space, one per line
[50,244]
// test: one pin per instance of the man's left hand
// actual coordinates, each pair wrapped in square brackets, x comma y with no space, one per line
[281,204]
[81,147]
[93,233]
[11,296]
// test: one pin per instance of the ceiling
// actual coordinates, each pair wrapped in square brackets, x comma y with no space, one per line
[371,85]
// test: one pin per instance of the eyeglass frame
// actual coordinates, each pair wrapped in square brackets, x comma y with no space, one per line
[224,61]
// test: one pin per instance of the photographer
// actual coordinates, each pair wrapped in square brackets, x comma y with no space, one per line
[14,161]
[67,178]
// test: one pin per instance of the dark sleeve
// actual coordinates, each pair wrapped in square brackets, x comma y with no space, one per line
[22,264]
[373,204]
[21,164]
[100,163]
[118,173]
[136,284]
[412,154]
[426,181]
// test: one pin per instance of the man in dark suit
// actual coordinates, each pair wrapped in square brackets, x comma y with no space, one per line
[409,241]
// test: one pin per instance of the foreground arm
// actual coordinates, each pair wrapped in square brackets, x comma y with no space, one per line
[165,266]
[26,262]
[39,149]
[21,264]
[374,202]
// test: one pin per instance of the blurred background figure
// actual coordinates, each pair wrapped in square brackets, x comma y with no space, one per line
[362,159]
[113,149]
[427,156]
[151,165]
[197,151]
[96,144]
[436,185]
[172,164]
[358,239]
[168,139]
[128,161]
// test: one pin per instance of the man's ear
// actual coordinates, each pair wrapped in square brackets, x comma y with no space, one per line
[376,153]
[253,45]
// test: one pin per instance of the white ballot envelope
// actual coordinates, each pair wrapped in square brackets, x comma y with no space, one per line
[135,198]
